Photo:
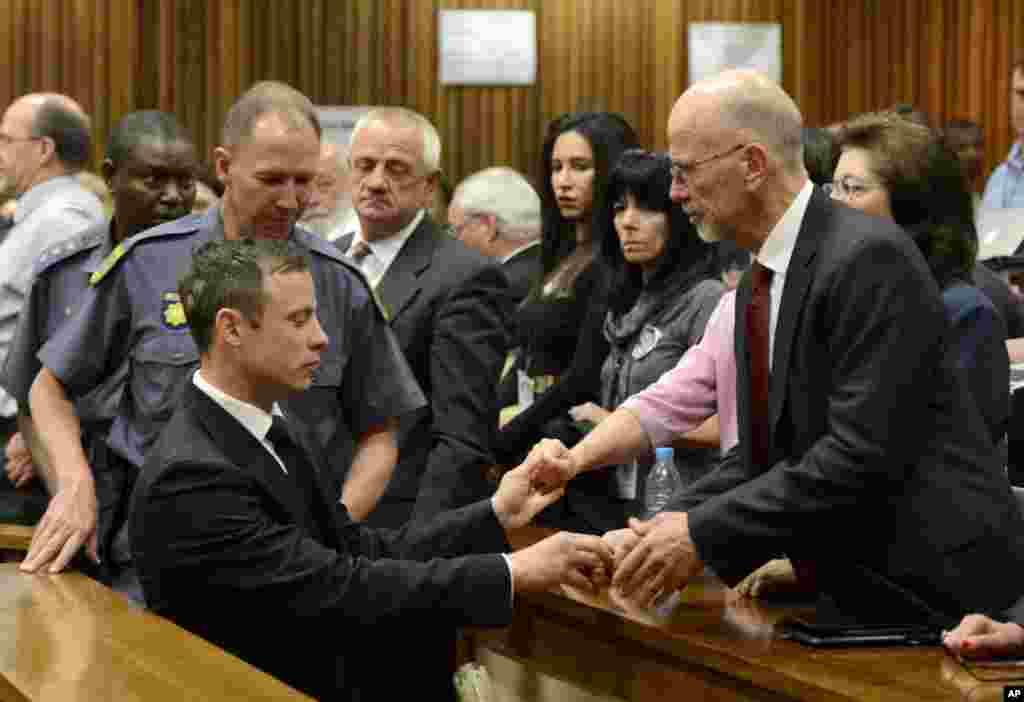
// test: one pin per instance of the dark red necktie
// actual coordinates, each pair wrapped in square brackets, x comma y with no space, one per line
[759,344]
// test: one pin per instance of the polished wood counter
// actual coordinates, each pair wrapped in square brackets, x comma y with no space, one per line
[706,644]
[67,638]
[15,537]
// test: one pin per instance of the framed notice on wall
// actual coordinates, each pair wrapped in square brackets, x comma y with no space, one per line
[717,46]
[487,47]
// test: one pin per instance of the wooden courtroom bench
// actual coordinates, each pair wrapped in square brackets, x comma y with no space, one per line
[571,646]
[70,639]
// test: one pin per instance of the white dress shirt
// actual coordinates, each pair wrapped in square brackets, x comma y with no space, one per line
[254,419]
[777,250]
[383,251]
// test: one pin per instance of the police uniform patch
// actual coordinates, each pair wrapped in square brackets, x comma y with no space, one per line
[173,311]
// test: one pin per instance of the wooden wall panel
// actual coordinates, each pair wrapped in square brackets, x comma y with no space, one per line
[194,57]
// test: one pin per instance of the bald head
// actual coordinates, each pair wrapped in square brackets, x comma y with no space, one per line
[743,106]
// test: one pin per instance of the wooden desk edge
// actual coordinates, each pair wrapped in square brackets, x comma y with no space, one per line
[15,537]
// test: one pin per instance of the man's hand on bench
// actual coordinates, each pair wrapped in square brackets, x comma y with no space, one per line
[68,524]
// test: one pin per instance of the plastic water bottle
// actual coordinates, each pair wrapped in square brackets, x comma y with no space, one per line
[662,482]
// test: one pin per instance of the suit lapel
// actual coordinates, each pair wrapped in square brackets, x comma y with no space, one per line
[242,449]
[798,278]
[400,284]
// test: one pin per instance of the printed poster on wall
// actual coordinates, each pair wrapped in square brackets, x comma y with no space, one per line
[487,47]
[717,46]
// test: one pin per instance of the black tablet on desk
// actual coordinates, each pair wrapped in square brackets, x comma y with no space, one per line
[807,630]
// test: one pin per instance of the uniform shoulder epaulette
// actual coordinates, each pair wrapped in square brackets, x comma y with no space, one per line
[63,250]
[186,225]
[326,248]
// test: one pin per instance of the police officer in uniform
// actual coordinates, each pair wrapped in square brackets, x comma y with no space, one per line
[150,167]
[132,313]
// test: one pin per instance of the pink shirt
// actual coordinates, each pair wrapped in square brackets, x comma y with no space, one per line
[702,383]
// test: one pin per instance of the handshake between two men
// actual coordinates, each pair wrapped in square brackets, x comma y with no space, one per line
[648,559]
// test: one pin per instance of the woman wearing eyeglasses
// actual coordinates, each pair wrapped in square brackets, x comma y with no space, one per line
[895,168]
[892,167]
[663,289]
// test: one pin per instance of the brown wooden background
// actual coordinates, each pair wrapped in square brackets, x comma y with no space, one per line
[194,57]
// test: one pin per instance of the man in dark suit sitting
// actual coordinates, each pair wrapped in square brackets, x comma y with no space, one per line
[447,306]
[860,456]
[237,537]
[497,212]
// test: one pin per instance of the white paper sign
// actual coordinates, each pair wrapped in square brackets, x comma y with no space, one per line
[487,47]
[717,46]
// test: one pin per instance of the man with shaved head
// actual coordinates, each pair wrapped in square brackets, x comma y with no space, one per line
[860,456]
[44,142]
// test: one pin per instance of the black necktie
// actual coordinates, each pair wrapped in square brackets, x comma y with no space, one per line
[759,344]
[298,466]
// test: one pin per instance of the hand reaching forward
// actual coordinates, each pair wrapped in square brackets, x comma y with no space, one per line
[663,561]
[517,500]
[551,465]
[977,636]
[562,559]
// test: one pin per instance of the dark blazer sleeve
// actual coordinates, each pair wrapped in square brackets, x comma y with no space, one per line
[881,322]
[581,382]
[232,543]
[979,344]
[467,349]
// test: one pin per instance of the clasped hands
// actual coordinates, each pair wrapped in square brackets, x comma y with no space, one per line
[649,559]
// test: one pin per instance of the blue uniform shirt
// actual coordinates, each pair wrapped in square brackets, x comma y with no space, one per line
[1005,187]
[59,283]
[132,312]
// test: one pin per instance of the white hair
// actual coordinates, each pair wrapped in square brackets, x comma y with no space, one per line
[409,118]
[507,195]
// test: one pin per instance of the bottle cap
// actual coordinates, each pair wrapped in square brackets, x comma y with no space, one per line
[665,453]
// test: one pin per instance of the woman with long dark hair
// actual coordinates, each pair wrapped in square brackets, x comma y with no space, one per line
[559,325]
[662,289]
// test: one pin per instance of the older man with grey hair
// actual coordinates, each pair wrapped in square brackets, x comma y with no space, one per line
[497,212]
[860,456]
[329,210]
[447,304]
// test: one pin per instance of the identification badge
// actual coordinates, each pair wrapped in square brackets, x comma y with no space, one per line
[649,338]
[524,384]
[625,481]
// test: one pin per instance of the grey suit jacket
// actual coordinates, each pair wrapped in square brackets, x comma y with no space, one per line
[448,307]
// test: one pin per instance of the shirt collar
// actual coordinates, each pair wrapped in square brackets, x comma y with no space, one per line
[777,249]
[386,250]
[249,416]
[528,245]
[98,254]
[1016,159]
[40,193]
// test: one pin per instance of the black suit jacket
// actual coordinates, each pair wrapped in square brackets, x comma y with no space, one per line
[227,547]
[522,271]
[882,473]
[447,306]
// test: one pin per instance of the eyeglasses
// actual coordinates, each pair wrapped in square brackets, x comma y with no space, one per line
[6,139]
[849,188]
[682,172]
